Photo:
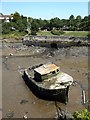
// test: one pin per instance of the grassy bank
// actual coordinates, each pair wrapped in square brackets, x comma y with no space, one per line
[76,33]
[44,33]
[17,36]
[67,33]
[14,34]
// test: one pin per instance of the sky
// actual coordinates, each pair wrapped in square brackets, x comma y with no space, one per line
[46,10]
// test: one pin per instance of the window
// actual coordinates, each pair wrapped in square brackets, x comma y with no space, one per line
[57,70]
[53,72]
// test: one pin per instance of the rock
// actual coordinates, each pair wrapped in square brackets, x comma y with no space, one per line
[37,51]
[33,102]
[11,54]
[10,114]
[6,57]
[23,101]
[25,117]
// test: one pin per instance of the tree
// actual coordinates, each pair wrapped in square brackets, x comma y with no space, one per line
[34,27]
[6,28]
[29,21]
[20,25]
[16,16]
[24,22]
[86,23]
[72,22]
[45,25]
[88,27]
[55,23]
[40,23]
[19,22]
[78,22]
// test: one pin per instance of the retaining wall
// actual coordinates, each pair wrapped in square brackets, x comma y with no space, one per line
[55,41]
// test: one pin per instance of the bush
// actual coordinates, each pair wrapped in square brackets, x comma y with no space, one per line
[33,32]
[57,32]
[82,115]
[88,34]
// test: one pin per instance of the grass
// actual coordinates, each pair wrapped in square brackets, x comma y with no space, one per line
[44,33]
[67,33]
[76,33]
[18,35]
[14,34]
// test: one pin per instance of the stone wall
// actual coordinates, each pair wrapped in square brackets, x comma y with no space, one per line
[55,41]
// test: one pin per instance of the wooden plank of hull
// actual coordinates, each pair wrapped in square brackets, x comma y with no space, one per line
[49,94]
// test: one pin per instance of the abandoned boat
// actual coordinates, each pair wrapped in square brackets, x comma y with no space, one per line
[47,81]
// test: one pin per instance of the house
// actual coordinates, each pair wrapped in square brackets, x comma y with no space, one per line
[6,18]
[65,28]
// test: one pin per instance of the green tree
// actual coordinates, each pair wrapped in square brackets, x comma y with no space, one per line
[6,28]
[78,22]
[72,22]
[55,23]
[34,27]
[19,22]
[20,25]
[45,24]
[16,16]
[29,21]
[84,24]
[88,27]
[40,23]
[24,22]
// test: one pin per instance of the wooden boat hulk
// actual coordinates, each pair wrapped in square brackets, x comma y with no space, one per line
[47,81]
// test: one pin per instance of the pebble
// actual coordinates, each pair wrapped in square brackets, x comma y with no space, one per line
[6,57]
[33,102]
[10,114]
[25,117]
[11,54]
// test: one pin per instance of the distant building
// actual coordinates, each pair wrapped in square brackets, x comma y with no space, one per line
[65,28]
[6,18]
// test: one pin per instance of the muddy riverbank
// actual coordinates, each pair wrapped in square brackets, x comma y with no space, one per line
[17,98]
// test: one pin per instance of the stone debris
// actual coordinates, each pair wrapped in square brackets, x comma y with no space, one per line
[23,101]
[10,114]
[11,54]
[25,117]
[34,102]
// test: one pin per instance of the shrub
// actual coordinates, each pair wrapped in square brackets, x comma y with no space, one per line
[33,32]
[88,34]
[82,115]
[57,32]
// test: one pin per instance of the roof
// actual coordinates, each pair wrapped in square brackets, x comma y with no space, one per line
[1,15]
[46,68]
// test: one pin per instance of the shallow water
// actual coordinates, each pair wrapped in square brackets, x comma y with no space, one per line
[19,100]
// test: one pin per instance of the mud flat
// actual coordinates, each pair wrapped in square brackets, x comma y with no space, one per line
[17,98]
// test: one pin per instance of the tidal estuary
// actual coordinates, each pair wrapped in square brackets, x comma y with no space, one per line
[17,98]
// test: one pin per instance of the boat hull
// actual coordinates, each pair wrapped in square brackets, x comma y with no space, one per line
[60,95]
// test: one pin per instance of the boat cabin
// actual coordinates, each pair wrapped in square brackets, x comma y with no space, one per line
[46,71]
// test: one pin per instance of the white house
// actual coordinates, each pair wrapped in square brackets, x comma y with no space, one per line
[6,18]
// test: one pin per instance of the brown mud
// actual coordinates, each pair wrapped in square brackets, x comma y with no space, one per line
[17,98]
